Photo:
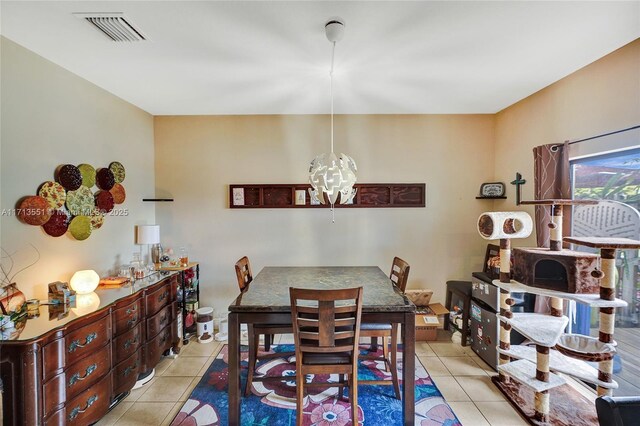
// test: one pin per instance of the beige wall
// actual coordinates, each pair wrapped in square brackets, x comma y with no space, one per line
[50,117]
[601,97]
[198,157]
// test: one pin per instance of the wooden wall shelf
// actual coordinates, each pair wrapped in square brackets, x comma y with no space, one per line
[275,196]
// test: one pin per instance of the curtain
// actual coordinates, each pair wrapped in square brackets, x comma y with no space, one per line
[551,180]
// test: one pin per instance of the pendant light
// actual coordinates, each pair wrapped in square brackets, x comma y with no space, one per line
[332,177]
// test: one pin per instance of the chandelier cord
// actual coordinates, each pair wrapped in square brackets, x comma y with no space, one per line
[333,54]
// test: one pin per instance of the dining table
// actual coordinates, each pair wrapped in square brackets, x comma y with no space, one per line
[266,301]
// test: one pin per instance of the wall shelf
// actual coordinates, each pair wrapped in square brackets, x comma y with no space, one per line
[491,198]
[157,200]
[274,196]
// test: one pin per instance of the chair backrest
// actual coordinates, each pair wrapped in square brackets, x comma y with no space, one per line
[399,273]
[243,273]
[618,411]
[320,325]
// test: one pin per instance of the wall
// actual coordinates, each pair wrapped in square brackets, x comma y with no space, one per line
[599,98]
[197,157]
[50,117]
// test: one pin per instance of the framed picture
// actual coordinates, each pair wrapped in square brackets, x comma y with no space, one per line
[301,197]
[492,189]
[238,196]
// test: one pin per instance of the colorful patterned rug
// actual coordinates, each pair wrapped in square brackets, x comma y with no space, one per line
[274,402]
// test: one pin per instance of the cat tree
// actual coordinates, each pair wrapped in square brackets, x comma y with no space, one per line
[528,374]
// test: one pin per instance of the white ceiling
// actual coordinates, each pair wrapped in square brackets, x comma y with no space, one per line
[268,57]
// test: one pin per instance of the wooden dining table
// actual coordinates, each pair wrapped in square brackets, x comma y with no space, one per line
[266,301]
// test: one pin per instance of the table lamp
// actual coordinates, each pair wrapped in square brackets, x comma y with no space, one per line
[149,235]
[84,282]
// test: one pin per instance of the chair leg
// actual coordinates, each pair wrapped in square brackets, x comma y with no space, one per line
[385,352]
[299,395]
[254,341]
[394,360]
[353,396]
[374,344]
[341,387]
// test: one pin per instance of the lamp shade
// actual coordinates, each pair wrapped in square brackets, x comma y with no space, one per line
[148,234]
[84,282]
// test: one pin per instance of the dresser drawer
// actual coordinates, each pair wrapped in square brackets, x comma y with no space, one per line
[156,346]
[90,405]
[87,339]
[160,320]
[125,318]
[126,373]
[126,344]
[157,299]
[76,378]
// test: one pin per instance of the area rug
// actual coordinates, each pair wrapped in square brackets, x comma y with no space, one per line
[273,402]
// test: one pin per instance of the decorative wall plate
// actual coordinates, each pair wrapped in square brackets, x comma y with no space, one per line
[70,177]
[80,227]
[58,224]
[80,202]
[88,175]
[119,194]
[492,189]
[34,210]
[97,219]
[118,171]
[105,179]
[104,201]
[54,193]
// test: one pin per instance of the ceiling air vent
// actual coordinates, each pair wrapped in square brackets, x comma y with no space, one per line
[114,25]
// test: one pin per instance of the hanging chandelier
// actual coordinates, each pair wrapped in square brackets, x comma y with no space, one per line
[331,176]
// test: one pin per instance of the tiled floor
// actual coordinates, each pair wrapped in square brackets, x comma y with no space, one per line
[462,377]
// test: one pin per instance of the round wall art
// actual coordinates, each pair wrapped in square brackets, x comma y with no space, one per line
[71,205]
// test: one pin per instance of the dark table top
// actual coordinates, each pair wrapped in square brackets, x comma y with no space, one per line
[269,290]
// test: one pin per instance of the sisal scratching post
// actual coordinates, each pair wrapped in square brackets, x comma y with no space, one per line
[607,315]
[556,306]
[505,307]
[541,401]
[555,228]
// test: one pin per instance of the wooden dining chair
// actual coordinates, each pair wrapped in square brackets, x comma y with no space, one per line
[245,276]
[326,327]
[399,275]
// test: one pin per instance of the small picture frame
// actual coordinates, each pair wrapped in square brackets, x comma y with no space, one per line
[492,189]
[238,196]
[301,197]
[313,198]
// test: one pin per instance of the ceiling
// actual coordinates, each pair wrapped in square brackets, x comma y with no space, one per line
[266,57]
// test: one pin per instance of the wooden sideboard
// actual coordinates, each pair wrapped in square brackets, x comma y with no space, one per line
[69,369]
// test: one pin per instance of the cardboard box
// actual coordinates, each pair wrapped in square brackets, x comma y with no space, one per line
[428,320]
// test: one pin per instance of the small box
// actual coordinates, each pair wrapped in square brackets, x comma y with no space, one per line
[428,320]
[419,297]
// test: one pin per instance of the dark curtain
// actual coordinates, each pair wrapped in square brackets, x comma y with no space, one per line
[551,180]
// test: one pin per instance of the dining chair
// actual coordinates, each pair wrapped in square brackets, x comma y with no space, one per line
[245,276]
[326,327]
[388,332]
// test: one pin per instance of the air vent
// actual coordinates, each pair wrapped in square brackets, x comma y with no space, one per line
[114,25]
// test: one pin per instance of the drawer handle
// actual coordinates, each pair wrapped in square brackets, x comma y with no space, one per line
[132,321]
[163,318]
[77,378]
[163,296]
[78,410]
[76,343]
[130,368]
[131,342]
[164,338]
[132,310]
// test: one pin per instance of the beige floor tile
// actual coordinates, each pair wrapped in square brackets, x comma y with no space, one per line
[112,416]
[146,414]
[186,366]
[500,414]
[462,366]
[434,366]
[468,413]
[162,366]
[189,389]
[423,349]
[206,366]
[482,364]
[480,388]
[166,389]
[199,349]
[135,394]
[447,349]
[450,389]
[174,410]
